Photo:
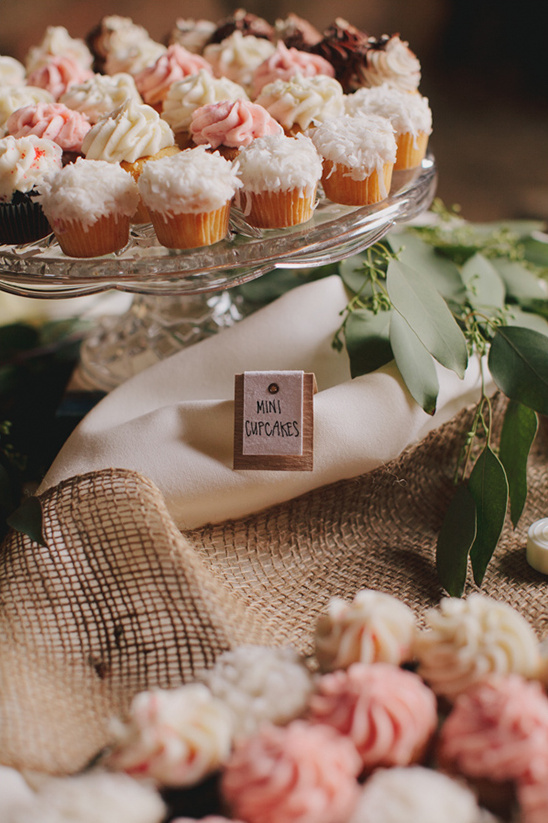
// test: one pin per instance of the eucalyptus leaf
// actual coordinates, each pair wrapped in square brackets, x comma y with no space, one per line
[518,433]
[415,364]
[27,519]
[519,228]
[367,340]
[442,272]
[518,361]
[427,313]
[526,319]
[353,272]
[489,487]
[520,282]
[455,539]
[483,282]
[536,250]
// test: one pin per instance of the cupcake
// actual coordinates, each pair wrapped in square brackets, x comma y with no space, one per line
[302,102]
[389,713]
[120,45]
[245,23]
[24,162]
[280,176]
[389,59]
[229,126]
[344,47]
[373,628]
[154,81]
[89,204]
[193,35]
[57,42]
[358,158]
[189,94]
[285,63]
[100,95]
[188,197]
[409,114]
[12,72]
[57,74]
[237,57]
[55,121]
[15,97]
[296,32]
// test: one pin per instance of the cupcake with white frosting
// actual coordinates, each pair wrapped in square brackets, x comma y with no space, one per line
[12,72]
[280,176]
[388,59]
[410,115]
[358,158]
[237,57]
[188,197]
[301,102]
[100,95]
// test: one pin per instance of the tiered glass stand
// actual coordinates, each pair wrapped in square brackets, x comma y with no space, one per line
[181,296]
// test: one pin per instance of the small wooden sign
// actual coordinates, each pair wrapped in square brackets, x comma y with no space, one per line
[274,420]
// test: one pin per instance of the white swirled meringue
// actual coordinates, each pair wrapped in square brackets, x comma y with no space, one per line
[260,684]
[176,737]
[466,639]
[131,131]
[374,628]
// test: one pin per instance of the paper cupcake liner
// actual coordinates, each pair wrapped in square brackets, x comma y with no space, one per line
[410,150]
[108,234]
[22,222]
[341,188]
[189,230]
[277,209]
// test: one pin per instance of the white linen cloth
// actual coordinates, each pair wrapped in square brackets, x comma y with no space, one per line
[173,422]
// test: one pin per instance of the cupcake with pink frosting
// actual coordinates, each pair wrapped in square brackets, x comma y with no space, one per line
[55,121]
[58,73]
[292,774]
[231,125]
[387,712]
[154,82]
[285,63]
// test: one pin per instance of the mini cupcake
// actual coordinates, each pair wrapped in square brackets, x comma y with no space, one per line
[89,204]
[344,47]
[120,45]
[296,32]
[389,59]
[12,72]
[15,97]
[245,23]
[57,42]
[237,57]
[285,63]
[188,197]
[55,121]
[280,176]
[57,74]
[230,126]
[24,162]
[189,94]
[358,158]
[389,713]
[100,95]
[153,82]
[193,35]
[409,114]
[301,102]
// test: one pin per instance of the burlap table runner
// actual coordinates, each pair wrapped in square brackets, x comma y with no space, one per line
[121,601]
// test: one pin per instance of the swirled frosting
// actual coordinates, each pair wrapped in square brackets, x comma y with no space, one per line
[55,121]
[280,163]
[57,42]
[390,60]
[401,795]
[24,161]
[14,97]
[153,82]
[374,628]
[532,796]
[192,34]
[302,101]
[466,639]
[87,190]
[12,72]
[124,46]
[114,34]
[101,94]
[361,143]
[237,56]
[233,124]
[191,181]
[497,729]
[285,63]
[295,773]
[131,131]
[408,113]
[57,74]
[387,712]
[176,737]
[189,94]
[260,684]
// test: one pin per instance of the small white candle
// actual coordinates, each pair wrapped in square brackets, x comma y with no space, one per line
[537,545]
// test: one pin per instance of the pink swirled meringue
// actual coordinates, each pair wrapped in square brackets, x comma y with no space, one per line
[154,82]
[293,774]
[387,712]
[176,737]
[55,121]
[497,729]
[58,73]
[532,795]
[285,63]
[231,123]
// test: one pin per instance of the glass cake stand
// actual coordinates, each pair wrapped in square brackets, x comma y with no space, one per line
[181,296]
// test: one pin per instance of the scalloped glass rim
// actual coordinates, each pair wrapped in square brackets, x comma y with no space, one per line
[144,266]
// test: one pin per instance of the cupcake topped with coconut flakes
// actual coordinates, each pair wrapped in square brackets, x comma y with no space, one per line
[407,112]
[361,143]
[24,162]
[280,163]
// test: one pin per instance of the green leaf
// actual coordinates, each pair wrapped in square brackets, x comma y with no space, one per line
[443,273]
[520,282]
[27,519]
[456,537]
[483,282]
[354,274]
[536,251]
[427,313]
[518,433]
[415,364]
[526,319]
[367,340]
[16,337]
[518,361]
[489,488]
